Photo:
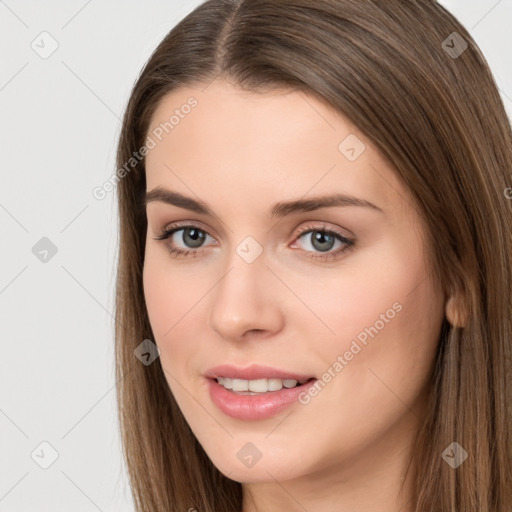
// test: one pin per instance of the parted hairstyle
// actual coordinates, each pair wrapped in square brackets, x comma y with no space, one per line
[397,71]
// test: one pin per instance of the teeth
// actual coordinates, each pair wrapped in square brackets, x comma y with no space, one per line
[227,383]
[289,383]
[240,385]
[258,385]
[275,384]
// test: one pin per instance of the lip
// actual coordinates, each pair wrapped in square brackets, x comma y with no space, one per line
[254,407]
[253,372]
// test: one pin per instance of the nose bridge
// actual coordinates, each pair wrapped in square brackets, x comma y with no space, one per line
[248,264]
[245,299]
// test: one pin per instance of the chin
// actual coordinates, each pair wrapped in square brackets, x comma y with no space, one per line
[261,468]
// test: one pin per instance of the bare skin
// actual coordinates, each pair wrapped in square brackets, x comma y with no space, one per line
[240,153]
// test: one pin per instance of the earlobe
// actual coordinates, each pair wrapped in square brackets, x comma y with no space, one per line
[455,313]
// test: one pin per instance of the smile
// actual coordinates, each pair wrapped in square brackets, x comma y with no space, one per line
[272,396]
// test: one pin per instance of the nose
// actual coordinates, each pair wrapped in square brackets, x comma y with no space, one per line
[246,301]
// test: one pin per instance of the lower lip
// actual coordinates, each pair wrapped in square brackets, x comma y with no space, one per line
[254,407]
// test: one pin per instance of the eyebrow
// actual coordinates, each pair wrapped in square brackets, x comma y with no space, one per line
[280,209]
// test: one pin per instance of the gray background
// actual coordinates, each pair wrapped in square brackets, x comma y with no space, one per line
[59,122]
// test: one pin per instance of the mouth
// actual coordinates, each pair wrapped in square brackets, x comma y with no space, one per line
[259,386]
[256,399]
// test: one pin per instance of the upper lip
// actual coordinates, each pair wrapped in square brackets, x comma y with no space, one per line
[253,372]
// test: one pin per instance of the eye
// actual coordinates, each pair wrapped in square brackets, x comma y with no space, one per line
[191,236]
[320,239]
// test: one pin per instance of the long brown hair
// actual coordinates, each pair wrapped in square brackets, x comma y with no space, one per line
[428,101]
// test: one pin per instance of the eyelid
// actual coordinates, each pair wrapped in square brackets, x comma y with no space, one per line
[176,226]
[323,226]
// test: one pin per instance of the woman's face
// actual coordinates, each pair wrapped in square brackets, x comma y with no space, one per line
[341,294]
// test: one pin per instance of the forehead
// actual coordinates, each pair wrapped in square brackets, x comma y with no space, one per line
[222,109]
[217,137]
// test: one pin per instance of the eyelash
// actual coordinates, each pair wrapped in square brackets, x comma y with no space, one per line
[169,231]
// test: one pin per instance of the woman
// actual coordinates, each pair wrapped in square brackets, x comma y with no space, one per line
[314,287]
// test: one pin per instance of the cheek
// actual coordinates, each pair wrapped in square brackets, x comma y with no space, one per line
[383,312]
[387,316]
[160,296]
[378,287]
[170,297]
[170,293]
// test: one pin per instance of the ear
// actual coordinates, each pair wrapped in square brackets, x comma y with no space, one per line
[455,312]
